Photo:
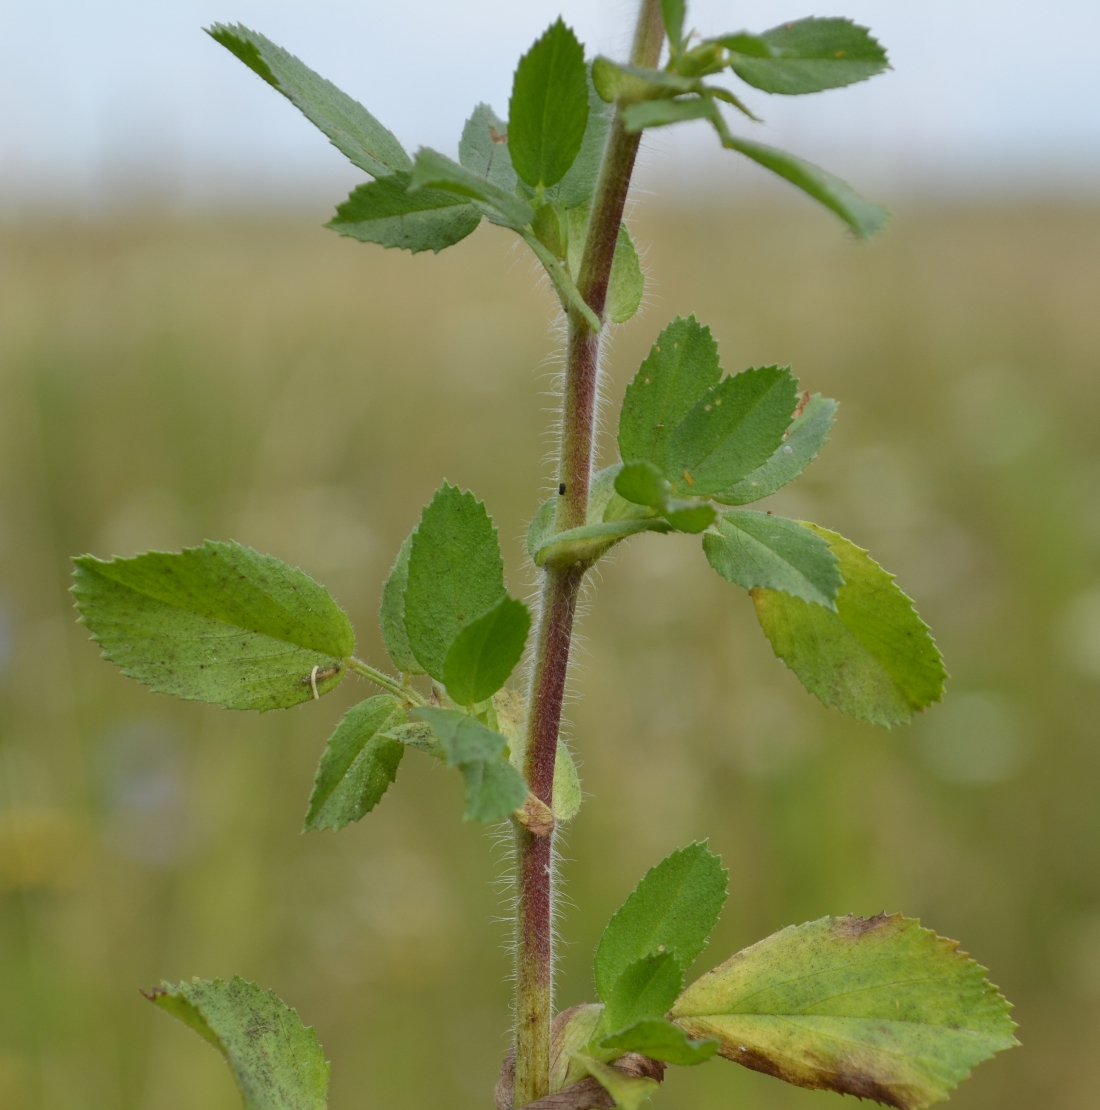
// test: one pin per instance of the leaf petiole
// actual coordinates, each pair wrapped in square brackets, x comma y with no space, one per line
[402,690]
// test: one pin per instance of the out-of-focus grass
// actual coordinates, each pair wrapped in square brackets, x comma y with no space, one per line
[165,382]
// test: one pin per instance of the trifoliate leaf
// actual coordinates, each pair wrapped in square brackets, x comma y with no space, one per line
[879,1008]
[433,170]
[511,720]
[661,1040]
[392,613]
[548,111]
[456,575]
[626,285]
[483,148]
[384,212]
[758,549]
[680,368]
[628,1091]
[731,430]
[805,438]
[219,623]
[349,126]
[864,217]
[806,56]
[494,789]
[275,1059]
[486,652]
[358,765]
[644,990]
[874,658]
[672,909]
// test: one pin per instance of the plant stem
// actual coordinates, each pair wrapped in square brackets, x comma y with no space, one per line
[561,587]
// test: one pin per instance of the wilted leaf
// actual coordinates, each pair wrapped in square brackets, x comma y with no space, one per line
[218,623]
[880,1008]
[873,658]
[358,766]
[275,1059]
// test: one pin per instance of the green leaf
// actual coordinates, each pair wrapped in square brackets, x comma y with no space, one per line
[864,217]
[805,438]
[358,765]
[218,623]
[880,1008]
[628,1091]
[672,15]
[456,575]
[511,720]
[628,84]
[643,484]
[806,56]
[661,1040]
[578,186]
[275,1059]
[644,990]
[384,212]
[588,542]
[483,148]
[349,126]
[874,658]
[659,113]
[486,652]
[548,111]
[757,549]
[433,170]
[392,613]
[680,368]
[464,738]
[419,735]
[626,286]
[732,429]
[672,909]
[494,790]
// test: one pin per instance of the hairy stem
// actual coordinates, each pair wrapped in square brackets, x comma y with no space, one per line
[561,587]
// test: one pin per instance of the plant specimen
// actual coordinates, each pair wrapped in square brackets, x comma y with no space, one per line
[881,1008]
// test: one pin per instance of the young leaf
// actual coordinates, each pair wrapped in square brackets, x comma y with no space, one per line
[806,56]
[672,15]
[483,148]
[644,990]
[661,1040]
[464,738]
[643,484]
[672,909]
[511,719]
[757,549]
[873,658]
[879,1008]
[456,575]
[659,113]
[385,212]
[486,652]
[626,286]
[680,368]
[628,84]
[494,789]
[864,217]
[586,543]
[349,126]
[805,438]
[433,170]
[731,430]
[392,613]
[628,1091]
[218,623]
[548,111]
[275,1059]
[358,766]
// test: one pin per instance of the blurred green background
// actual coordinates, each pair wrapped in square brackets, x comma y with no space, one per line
[162,381]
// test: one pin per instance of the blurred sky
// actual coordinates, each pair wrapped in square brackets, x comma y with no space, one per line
[116,98]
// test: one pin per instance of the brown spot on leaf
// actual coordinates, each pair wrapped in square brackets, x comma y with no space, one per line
[856,927]
[498,137]
[803,401]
